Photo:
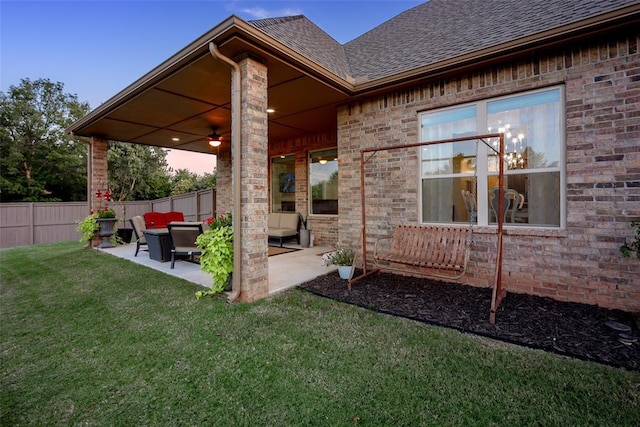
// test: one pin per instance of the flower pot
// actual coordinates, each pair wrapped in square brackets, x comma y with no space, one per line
[345,271]
[125,234]
[305,238]
[106,231]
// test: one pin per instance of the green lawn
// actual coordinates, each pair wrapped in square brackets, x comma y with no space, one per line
[90,339]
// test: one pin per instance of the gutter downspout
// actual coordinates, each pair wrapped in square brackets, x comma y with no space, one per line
[236,145]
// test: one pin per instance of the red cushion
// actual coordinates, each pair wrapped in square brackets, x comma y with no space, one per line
[155,220]
[174,216]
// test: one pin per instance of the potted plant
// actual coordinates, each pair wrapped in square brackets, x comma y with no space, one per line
[305,234]
[107,226]
[88,227]
[217,253]
[343,258]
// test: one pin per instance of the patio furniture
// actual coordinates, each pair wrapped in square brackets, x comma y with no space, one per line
[173,216]
[161,219]
[137,223]
[159,244]
[283,225]
[431,251]
[182,236]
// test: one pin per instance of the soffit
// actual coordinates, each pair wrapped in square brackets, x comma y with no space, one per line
[189,101]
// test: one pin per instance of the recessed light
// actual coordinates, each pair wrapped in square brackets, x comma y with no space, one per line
[270,110]
[175,139]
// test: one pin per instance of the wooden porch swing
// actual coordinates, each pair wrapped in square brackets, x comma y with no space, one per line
[432,250]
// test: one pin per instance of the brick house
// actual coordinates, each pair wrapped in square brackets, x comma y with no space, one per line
[561,79]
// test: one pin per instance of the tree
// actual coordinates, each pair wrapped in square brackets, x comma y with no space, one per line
[184,181]
[137,172]
[39,161]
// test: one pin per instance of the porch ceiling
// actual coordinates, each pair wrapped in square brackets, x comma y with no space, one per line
[186,101]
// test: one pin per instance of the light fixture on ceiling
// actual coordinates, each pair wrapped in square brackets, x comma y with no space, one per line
[322,161]
[214,139]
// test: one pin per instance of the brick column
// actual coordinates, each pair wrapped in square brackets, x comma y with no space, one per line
[254,180]
[224,198]
[97,170]
[97,179]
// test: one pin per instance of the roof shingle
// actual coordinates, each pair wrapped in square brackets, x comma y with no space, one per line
[443,29]
[306,38]
[431,32]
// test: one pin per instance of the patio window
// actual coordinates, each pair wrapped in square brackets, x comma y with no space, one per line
[323,179]
[534,160]
[283,183]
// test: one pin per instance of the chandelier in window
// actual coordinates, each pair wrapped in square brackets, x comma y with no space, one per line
[515,152]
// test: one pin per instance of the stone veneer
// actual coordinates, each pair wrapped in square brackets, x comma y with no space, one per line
[580,263]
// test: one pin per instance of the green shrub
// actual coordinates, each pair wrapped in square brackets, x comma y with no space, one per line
[341,257]
[88,227]
[106,213]
[217,253]
[634,245]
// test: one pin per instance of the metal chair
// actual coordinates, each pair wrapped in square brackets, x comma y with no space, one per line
[137,223]
[183,239]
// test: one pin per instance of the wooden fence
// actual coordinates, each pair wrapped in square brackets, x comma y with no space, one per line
[23,224]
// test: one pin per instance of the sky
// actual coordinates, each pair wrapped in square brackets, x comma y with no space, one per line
[97,48]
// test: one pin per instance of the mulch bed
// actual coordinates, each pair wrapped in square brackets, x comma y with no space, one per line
[582,331]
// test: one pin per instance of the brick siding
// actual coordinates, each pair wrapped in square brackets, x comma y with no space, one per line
[580,263]
[99,181]
[255,207]
[324,227]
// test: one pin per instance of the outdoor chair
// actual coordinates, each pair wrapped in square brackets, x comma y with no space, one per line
[183,239]
[137,223]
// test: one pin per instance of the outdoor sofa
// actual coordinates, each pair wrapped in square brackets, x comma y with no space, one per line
[161,219]
[284,225]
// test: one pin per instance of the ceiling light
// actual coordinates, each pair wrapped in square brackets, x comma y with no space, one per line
[214,139]
[270,110]
[175,139]
[323,161]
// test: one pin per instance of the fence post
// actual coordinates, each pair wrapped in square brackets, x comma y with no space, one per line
[32,232]
[197,205]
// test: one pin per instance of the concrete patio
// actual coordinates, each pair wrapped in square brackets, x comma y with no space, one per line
[285,270]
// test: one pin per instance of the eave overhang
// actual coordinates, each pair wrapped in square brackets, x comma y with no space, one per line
[291,73]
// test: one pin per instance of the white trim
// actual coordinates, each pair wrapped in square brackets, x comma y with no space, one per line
[482,166]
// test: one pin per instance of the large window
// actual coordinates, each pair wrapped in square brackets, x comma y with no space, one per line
[323,179]
[459,179]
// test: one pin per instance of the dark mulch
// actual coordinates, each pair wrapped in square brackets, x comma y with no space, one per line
[571,329]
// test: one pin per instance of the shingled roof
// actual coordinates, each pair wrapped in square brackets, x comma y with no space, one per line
[432,32]
[305,37]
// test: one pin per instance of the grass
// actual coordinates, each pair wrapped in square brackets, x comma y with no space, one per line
[87,338]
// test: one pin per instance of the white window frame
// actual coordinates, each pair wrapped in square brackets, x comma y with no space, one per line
[483,166]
